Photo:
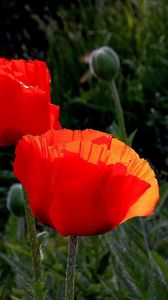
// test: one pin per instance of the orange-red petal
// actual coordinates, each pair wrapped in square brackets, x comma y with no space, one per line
[29,72]
[142,170]
[82,184]
[25,100]
[94,203]
[66,135]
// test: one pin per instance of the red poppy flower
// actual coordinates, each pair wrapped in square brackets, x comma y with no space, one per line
[84,182]
[25,100]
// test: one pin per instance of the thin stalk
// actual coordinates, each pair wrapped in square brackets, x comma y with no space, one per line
[146,243]
[21,228]
[34,244]
[119,110]
[70,272]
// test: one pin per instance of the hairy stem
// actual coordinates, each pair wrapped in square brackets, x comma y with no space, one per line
[21,228]
[119,110]
[70,272]
[34,244]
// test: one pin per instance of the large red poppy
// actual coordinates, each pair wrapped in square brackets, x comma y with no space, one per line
[84,182]
[25,100]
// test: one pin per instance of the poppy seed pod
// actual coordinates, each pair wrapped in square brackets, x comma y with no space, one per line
[15,200]
[104,63]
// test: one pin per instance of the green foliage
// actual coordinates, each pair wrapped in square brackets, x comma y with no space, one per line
[129,263]
[6,180]
[137,31]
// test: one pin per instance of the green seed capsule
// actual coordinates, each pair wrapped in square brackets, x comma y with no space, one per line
[15,200]
[104,63]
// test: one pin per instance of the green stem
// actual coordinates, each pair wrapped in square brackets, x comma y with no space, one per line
[21,228]
[70,272]
[144,236]
[119,110]
[34,244]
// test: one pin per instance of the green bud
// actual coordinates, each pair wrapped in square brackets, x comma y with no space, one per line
[15,200]
[104,63]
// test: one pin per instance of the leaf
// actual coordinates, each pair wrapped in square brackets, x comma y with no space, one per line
[161,266]
[131,137]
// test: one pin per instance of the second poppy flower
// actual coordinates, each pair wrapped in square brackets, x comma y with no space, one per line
[25,100]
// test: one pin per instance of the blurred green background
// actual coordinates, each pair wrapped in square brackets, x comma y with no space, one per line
[130,263]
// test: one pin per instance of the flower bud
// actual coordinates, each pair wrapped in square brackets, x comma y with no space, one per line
[104,63]
[15,200]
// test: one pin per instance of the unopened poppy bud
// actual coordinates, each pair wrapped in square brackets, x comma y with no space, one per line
[15,200]
[104,63]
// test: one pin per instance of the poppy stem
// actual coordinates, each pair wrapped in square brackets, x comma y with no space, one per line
[119,110]
[35,248]
[70,271]
[21,228]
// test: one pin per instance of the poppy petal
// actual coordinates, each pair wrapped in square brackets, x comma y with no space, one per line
[66,135]
[141,169]
[34,171]
[78,186]
[121,152]
[94,203]
[147,202]
[25,100]
[31,73]
[54,116]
